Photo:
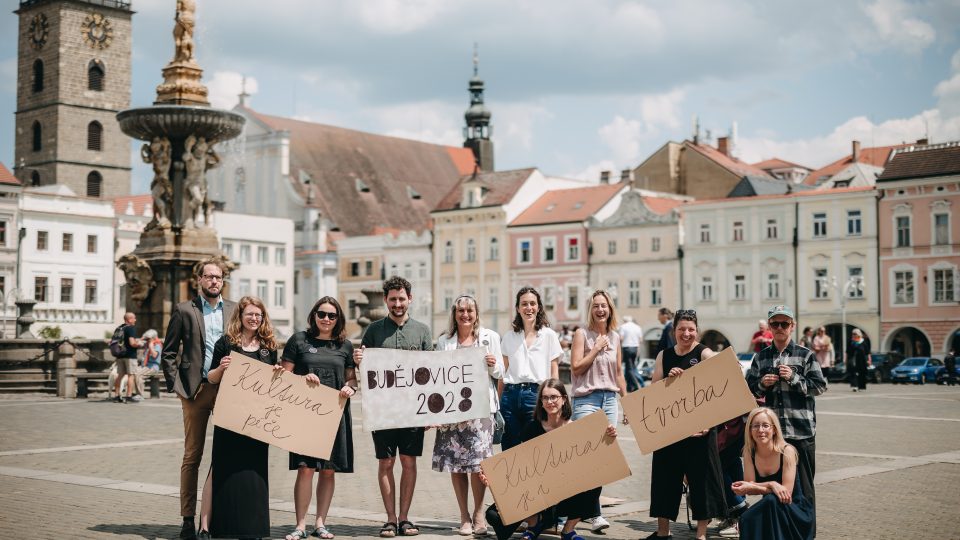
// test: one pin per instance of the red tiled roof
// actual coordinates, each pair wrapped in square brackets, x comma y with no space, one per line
[335,158]
[876,156]
[662,205]
[567,205]
[500,187]
[139,202]
[6,177]
[777,163]
[732,164]
[923,162]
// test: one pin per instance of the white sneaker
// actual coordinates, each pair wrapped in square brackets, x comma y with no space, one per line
[729,528]
[598,524]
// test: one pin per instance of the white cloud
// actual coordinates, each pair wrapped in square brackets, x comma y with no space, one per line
[592,172]
[225,87]
[514,125]
[623,137]
[894,25]
[398,16]
[663,110]
[429,121]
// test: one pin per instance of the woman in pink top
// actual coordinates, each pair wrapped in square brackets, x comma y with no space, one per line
[596,368]
[823,347]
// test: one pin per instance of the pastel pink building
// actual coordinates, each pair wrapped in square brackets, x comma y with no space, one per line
[919,238]
[549,248]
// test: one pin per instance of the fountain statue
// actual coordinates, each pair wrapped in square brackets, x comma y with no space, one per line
[180,131]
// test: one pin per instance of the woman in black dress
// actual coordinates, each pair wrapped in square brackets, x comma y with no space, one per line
[324,356]
[240,499]
[695,457]
[783,513]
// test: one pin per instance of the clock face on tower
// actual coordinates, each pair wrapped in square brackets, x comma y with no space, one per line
[38,31]
[97,31]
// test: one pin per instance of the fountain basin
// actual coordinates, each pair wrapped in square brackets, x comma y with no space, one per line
[179,122]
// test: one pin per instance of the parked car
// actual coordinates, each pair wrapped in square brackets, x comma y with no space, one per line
[645,366]
[881,364]
[942,375]
[836,373]
[745,359]
[917,369]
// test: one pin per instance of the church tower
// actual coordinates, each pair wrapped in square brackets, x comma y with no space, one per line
[73,77]
[477,132]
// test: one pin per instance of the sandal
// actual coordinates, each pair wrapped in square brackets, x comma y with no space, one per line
[480,530]
[297,534]
[407,528]
[533,531]
[389,530]
[322,532]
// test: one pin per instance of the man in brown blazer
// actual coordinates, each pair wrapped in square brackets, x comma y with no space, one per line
[194,327]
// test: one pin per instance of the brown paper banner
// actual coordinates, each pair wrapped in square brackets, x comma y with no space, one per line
[550,468]
[280,409]
[704,396]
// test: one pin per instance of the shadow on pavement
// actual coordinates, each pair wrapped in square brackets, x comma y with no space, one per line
[150,531]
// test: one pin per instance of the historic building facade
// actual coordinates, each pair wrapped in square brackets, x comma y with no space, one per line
[10,192]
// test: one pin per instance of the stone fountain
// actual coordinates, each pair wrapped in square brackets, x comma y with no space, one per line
[180,131]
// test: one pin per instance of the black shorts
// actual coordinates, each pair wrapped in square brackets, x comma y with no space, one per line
[409,442]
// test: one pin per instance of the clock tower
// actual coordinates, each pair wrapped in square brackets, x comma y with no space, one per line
[73,77]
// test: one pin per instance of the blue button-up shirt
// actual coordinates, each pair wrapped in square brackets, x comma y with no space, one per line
[213,329]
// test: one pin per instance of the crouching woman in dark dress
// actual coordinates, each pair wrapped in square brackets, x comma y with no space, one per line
[770,469]
[239,464]
[554,410]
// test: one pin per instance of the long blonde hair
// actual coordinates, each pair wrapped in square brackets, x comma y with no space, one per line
[452,331]
[611,319]
[778,441]
[264,333]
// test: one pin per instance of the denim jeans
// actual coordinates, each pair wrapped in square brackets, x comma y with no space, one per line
[597,400]
[516,406]
[732,466]
[630,372]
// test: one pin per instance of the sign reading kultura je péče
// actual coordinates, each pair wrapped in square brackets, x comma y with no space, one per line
[278,408]
[708,394]
[423,388]
[554,466]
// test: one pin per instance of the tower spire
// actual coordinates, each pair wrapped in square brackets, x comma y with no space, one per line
[243,95]
[477,132]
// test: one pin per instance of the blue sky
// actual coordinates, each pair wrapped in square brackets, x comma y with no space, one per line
[575,86]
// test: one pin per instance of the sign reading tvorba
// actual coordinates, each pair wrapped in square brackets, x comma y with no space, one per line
[703,396]
[423,388]
[554,466]
[278,408]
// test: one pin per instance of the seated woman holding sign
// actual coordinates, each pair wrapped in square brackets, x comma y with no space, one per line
[239,505]
[325,356]
[459,448]
[695,457]
[783,512]
[553,410]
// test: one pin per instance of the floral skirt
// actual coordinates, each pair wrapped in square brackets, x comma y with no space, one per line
[459,448]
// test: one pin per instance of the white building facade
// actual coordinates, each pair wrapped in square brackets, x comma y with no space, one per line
[10,192]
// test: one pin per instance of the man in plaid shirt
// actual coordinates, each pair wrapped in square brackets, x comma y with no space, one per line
[788,377]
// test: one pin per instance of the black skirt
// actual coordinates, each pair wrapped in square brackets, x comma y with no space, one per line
[241,493]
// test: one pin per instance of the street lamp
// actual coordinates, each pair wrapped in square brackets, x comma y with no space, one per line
[854,283]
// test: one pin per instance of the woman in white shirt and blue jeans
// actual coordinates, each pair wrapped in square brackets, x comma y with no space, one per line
[531,355]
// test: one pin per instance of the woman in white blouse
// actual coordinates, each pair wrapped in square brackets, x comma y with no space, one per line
[459,448]
[531,355]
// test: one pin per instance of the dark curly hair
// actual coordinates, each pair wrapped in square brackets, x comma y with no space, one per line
[541,321]
[395,283]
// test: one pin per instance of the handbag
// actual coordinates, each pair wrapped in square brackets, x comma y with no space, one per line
[498,425]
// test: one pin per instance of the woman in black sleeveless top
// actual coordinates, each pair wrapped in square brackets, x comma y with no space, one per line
[695,457]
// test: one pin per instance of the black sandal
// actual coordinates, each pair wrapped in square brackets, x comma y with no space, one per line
[389,530]
[407,528]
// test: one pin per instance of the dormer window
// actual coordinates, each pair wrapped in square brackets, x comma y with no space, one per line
[362,187]
[472,196]
[413,194]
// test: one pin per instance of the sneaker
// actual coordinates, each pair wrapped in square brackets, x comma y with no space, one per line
[118,399]
[136,398]
[729,528]
[598,524]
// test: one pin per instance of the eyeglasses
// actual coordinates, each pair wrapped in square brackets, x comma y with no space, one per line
[326,315]
[758,427]
[211,277]
[550,399]
[257,316]
[780,324]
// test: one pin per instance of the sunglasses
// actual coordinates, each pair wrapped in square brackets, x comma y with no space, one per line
[326,315]
[780,324]
[686,313]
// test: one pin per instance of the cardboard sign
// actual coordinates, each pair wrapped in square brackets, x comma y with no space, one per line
[278,408]
[423,388]
[552,467]
[704,396]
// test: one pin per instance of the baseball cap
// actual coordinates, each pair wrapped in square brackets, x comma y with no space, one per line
[780,310]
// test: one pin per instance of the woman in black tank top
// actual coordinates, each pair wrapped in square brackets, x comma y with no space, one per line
[695,457]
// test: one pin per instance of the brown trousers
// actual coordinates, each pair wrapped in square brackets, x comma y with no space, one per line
[196,414]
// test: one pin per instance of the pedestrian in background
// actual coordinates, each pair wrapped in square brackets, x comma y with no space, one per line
[127,361]
[186,359]
[631,336]
[238,505]
[531,355]
[323,355]
[596,369]
[459,448]
[665,317]
[856,359]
